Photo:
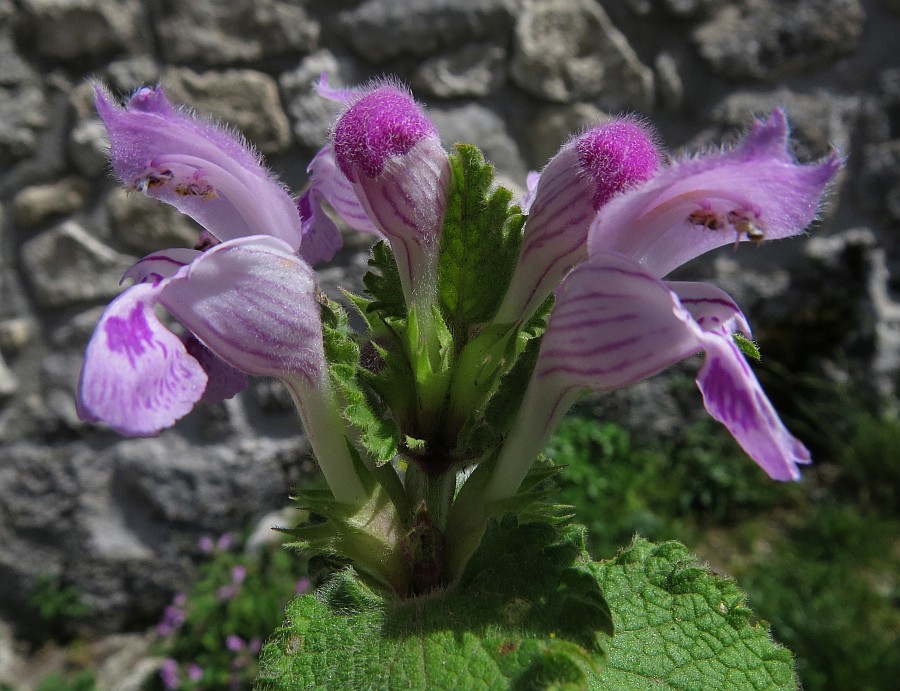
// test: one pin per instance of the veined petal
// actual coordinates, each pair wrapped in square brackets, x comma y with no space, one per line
[732,395]
[137,376]
[391,153]
[224,381]
[711,307]
[252,301]
[321,237]
[754,192]
[159,265]
[197,167]
[614,324]
[587,172]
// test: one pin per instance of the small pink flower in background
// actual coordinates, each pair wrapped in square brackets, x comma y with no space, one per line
[302,585]
[238,574]
[205,544]
[169,673]
[235,643]
[225,542]
[194,672]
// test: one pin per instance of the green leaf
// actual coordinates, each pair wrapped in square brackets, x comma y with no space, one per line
[479,243]
[527,615]
[531,612]
[383,284]
[680,627]
[749,348]
[379,435]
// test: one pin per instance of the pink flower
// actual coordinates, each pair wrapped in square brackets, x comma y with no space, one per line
[616,322]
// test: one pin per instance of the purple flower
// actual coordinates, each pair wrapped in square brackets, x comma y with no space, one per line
[172,620]
[615,322]
[225,542]
[202,170]
[248,297]
[226,592]
[302,585]
[234,643]
[194,672]
[169,673]
[206,544]
[238,574]
[384,173]
[587,173]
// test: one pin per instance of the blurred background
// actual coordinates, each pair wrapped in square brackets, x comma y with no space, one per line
[149,563]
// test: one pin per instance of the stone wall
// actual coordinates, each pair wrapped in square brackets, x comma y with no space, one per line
[120,518]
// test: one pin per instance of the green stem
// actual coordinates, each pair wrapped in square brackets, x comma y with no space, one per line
[326,431]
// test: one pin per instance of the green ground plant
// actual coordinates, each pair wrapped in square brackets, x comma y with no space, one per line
[819,558]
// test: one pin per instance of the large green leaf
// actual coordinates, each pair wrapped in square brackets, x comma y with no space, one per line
[531,612]
[680,627]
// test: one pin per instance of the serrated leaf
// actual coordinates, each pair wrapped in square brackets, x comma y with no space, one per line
[479,243]
[378,434]
[680,627]
[383,283]
[527,614]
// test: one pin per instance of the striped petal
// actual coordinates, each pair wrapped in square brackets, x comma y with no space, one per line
[754,192]
[202,170]
[252,302]
[586,173]
[137,376]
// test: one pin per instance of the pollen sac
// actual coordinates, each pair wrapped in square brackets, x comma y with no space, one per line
[706,218]
[196,188]
[747,222]
[153,178]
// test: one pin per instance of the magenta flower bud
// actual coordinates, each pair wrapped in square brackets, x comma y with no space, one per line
[392,156]
[380,126]
[616,156]
[586,173]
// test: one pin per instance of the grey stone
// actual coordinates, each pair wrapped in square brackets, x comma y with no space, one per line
[691,8]
[15,334]
[879,182]
[121,523]
[568,50]
[475,70]
[34,205]
[23,114]
[820,121]
[553,125]
[13,69]
[312,115]
[764,38]
[143,225]
[475,124]
[66,265]
[71,30]
[245,99]
[383,29]
[8,382]
[208,32]
[88,147]
[669,87]
[128,74]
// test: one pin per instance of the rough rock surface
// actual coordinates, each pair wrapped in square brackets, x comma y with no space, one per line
[765,38]
[236,32]
[568,50]
[119,519]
